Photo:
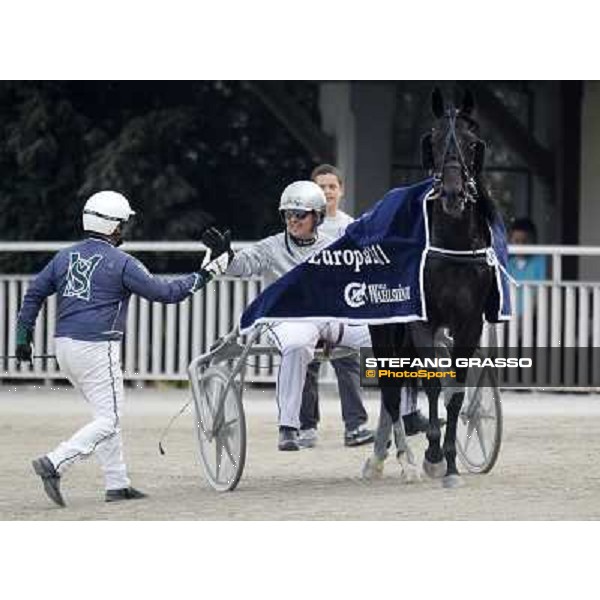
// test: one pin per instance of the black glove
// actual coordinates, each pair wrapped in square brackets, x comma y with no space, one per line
[218,243]
[24,350]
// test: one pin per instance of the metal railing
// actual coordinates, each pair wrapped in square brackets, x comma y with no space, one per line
[162,339]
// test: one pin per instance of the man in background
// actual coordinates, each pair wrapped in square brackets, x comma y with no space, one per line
[529,267]
[347,370]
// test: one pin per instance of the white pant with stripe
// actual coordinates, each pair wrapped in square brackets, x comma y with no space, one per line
[94,369]
[296,341]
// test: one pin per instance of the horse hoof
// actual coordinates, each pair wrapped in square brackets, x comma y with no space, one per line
[452,481]
[409,472]
[435,470]
[373,468]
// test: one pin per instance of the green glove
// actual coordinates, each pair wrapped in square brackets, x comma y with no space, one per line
[24,350]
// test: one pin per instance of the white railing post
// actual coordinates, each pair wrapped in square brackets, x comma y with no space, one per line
[541,371]
[224,313]
[569,337]
[170,337]
[556,323]
[183,337]
[157,339]
[197,322]
[210,322]
[596,335]
[143,336]
[513,330]
[556,268]
[131,336]
[583,335]
[527,335]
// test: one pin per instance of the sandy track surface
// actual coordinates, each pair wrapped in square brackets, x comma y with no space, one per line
[546,469]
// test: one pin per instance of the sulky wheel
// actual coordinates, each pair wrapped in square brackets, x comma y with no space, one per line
[479,429]
[221,428]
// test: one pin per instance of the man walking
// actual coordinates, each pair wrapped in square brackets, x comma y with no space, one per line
[93,281]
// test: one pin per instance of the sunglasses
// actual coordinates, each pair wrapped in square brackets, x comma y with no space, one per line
[296,214]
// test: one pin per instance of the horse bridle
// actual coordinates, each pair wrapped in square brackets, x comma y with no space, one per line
[470,194]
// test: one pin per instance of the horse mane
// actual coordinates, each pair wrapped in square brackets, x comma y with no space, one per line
[486,202]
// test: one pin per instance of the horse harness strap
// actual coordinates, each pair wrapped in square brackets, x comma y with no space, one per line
[481,255]
[329,345]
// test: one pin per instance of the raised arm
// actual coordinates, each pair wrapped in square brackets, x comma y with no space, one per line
[253,260]
[138,280]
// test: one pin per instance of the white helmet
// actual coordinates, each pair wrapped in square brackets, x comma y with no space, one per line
[104,211]
[304,195]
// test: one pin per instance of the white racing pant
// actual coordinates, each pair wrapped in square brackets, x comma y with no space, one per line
[94,369]
[296,340]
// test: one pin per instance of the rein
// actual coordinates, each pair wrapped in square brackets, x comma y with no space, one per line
[470,194]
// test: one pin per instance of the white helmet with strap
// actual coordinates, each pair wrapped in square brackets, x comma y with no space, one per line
[104,211]
[304,195]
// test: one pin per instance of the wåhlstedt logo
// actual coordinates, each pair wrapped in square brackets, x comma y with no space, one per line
[355,294]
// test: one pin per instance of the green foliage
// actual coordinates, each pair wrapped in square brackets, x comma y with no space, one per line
[185,153]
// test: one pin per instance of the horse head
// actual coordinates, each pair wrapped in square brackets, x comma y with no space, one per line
[454,153]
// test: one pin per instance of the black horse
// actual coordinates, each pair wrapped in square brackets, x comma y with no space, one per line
[457,278]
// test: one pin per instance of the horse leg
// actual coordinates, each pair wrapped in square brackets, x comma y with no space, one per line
[390,421]
[434,463]
[385,339]
[422,337]
[464,350]
[373,467]
[453,407]
[409,471]
[383,433]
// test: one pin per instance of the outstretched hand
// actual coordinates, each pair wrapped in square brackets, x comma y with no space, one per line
[217,242]
[219,253]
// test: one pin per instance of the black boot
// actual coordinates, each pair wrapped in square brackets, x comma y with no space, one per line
[124,494]
[50,478]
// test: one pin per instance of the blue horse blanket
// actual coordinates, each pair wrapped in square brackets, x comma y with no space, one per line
[374,272]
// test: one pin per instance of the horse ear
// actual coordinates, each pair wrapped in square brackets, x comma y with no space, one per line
[437,103]
[468,103]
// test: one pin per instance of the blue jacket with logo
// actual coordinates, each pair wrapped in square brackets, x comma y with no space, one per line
[93,282]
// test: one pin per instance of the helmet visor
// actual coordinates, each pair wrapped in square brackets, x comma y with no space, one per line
[289,214]
[105,217]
